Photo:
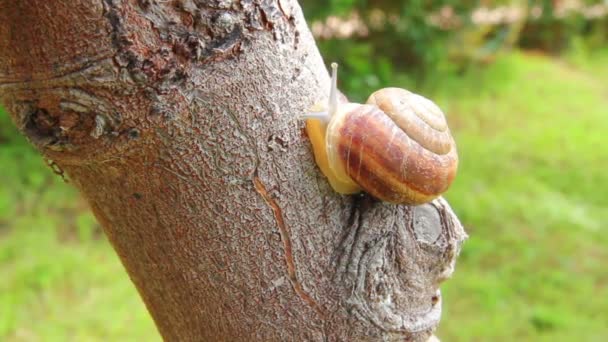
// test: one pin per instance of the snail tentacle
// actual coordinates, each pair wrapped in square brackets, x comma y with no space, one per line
[323,116]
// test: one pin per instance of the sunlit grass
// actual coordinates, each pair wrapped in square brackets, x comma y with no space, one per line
[60,279]
[532,192]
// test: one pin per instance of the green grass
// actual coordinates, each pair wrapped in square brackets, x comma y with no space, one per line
[532,192]
[61,280]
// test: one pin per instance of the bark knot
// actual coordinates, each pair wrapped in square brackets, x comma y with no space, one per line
[391,273]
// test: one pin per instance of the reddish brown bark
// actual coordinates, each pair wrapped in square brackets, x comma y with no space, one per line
[177,120]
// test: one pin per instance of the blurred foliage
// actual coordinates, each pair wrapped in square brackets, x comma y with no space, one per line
[422,36]
[554,31]
[407,42]
[531,189]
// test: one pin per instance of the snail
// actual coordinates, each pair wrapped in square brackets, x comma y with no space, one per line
[397,147]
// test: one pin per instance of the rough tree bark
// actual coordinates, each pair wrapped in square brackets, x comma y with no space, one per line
[177,120]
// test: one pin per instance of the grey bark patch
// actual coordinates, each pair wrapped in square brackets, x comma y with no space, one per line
[426,222]
[100,127]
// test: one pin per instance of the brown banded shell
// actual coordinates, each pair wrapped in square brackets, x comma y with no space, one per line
[397,147]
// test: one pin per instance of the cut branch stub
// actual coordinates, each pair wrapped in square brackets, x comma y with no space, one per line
[392,271]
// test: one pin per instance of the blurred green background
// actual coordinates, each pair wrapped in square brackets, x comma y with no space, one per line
[525,87]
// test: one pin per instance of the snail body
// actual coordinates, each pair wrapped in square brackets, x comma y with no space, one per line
[397,147]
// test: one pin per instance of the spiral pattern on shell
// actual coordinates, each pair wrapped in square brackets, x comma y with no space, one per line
[397,147]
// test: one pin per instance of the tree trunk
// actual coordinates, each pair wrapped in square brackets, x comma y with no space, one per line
[178,122]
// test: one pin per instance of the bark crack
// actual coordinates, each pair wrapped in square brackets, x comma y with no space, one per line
[287,247]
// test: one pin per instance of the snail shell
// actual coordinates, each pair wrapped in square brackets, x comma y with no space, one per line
[397,147]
